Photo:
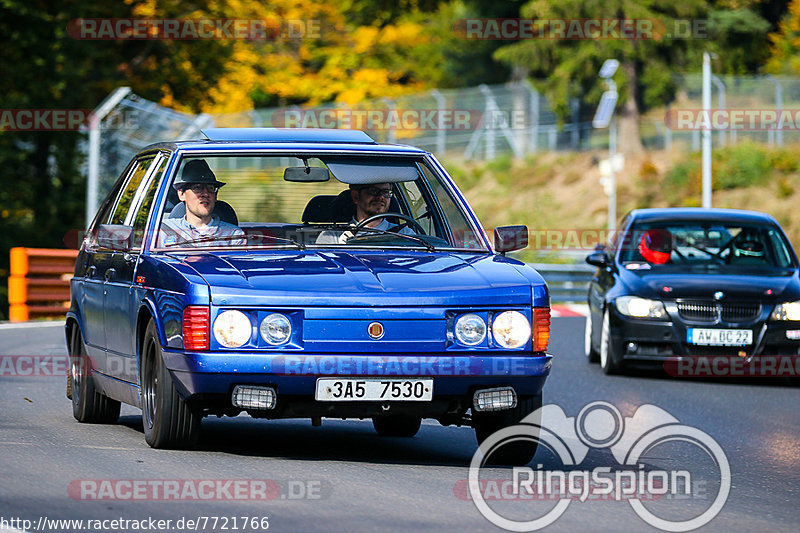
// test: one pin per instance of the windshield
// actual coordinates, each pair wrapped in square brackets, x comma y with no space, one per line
[712,244]
[314,201]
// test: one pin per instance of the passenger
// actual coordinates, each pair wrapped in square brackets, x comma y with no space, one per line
[370,199]
[197,188]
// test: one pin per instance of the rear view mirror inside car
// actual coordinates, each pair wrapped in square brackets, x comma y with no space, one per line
[306,174]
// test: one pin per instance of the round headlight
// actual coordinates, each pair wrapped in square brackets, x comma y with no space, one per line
[275,329]
[511,329]
[470,329]
[232,329]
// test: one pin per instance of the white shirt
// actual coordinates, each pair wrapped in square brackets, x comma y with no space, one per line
[340,237]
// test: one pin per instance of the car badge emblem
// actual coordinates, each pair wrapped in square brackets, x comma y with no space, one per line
[375,330]
[719,295]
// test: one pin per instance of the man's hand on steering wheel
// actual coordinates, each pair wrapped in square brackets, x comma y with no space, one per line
[409,222]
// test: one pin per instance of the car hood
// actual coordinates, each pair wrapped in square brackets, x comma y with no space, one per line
[360,278]
[747,286]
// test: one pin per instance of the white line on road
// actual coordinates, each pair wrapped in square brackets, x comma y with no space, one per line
[24,325]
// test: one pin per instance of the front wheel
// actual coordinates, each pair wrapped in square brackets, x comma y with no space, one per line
[518,453]
[397,425]
[168,421]
[608,354]
[88,405]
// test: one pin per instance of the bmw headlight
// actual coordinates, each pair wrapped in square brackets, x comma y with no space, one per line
[275,329]
[640,307]
[511,329]
[470,329]
[786,311]
[232,329]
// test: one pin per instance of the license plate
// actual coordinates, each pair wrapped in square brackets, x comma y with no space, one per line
[373,389]
[719,337]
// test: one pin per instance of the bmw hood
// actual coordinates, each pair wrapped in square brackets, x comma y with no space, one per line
[360,278]
[744,286]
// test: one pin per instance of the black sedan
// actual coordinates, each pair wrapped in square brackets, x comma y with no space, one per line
[681,282]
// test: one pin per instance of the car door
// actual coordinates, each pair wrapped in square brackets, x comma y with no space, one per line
[91,285]
[120,309]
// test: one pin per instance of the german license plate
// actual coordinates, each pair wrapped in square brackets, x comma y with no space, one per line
[719,337]
[373,389]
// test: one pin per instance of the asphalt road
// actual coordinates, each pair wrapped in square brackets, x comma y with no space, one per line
[343,477]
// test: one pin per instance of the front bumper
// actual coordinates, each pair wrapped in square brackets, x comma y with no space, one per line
[657,341]
[208,378]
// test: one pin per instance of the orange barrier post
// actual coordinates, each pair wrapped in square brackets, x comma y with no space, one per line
[39,283]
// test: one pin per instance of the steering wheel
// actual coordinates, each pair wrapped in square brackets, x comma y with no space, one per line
[409,221]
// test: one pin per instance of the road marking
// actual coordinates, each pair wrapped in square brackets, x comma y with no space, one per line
[4,443]
[24,325]
[560,310]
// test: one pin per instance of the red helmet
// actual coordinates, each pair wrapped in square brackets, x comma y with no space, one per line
[656,246]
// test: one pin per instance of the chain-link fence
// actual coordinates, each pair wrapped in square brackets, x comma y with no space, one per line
[471,123]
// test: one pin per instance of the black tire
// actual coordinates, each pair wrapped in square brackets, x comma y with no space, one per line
[592,355]
[88,405]
[608,353]
[518,453]
[168,421]
[397,425]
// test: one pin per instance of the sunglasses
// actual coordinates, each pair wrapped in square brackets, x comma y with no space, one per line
[374,191]
[198,188]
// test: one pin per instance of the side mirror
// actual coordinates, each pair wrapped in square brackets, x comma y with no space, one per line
[598,258]
[306,174]
[114,236]
[510,238]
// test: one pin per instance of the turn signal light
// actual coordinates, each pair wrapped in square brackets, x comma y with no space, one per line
[195,327]
[541,328]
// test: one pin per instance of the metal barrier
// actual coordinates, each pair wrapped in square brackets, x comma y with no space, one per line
[567,283]
[39,283]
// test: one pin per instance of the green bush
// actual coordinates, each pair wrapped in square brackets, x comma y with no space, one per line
[743,165]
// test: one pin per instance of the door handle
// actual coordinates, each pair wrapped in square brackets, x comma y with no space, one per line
[90,272]
[110,274]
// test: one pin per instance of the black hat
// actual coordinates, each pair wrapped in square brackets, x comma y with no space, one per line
[196,171]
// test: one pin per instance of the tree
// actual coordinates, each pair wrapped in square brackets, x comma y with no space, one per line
[568,68]
[785,43]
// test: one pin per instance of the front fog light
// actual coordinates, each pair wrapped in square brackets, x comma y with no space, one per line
[232,329]
[494,399]
[511,329]
[275,329]
[470,329]
[787,311]
[251,397]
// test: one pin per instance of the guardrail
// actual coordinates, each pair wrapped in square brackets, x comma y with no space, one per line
[567,283]
[38,286]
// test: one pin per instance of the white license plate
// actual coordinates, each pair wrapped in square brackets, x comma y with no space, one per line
[373,389]
[719,337]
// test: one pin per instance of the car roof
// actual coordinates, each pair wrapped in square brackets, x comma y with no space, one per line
[701,215]
[286,139]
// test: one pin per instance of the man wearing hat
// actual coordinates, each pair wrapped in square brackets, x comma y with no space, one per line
[197,188]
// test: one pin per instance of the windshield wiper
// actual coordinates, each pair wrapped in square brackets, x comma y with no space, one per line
[428,246]
[243,238]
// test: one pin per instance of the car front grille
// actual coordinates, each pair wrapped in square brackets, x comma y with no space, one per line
[707,311]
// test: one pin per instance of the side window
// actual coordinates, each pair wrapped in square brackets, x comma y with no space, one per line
[139,220]
[125,199]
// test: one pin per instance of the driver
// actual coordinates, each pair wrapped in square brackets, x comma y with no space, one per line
[370,199]
[656,246]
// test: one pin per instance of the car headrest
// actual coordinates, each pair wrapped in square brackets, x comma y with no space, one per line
[329,208]
[222,209]
[340,208]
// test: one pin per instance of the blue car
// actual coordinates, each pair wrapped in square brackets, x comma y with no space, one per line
[301,273]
